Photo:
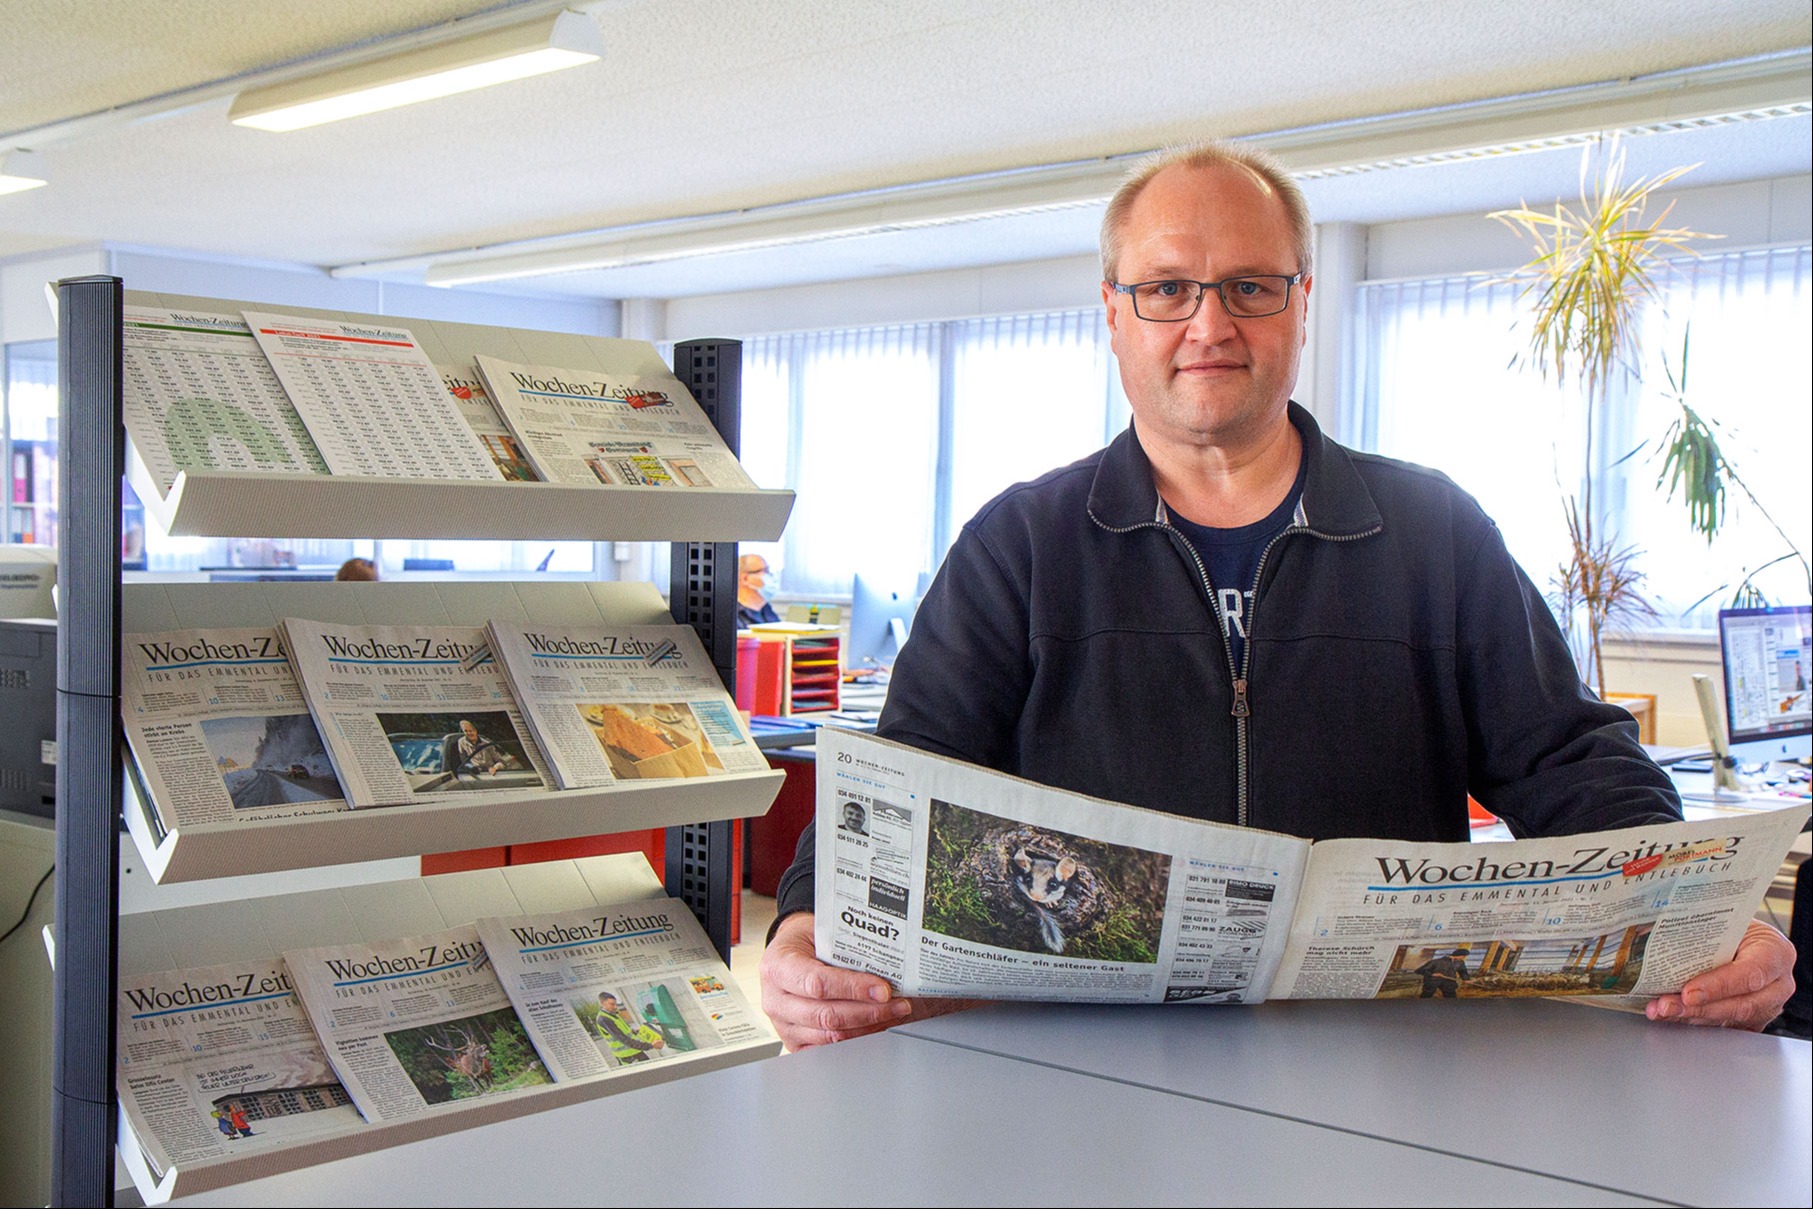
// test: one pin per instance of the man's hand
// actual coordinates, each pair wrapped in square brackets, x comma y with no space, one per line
[811,1003]
[1747,993]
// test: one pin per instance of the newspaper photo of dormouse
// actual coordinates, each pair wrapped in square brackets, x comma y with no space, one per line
[1040,890]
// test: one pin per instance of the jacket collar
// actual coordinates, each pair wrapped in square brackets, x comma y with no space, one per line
[1335,500]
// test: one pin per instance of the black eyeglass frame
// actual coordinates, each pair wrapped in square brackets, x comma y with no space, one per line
[1202,289]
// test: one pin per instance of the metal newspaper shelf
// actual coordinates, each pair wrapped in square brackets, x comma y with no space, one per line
[91,782]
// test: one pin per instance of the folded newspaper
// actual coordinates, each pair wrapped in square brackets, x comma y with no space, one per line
[222,1061]
[481,417]
[585,426]
[607,988]
[410,711]
[618,703]
[416,1024]
[219,729]
[948,879]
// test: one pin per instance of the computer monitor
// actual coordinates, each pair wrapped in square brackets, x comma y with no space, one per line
[1765,652]
[880,618]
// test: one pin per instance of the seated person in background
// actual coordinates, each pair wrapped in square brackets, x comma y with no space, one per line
[358,570]
[752,592]
[1226,616]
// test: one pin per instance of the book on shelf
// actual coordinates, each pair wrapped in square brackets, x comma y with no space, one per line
[589,427]
[218,729]
[622,703]
[413,711]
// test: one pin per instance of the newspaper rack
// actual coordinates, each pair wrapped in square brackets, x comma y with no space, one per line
[226,849]
[194,935]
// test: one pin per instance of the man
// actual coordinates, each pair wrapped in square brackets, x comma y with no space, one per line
[630,1042]
[855,819]
[1443,975]
[478,754]
[1224,615]
[753,607]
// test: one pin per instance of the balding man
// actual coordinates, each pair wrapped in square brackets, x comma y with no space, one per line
[1227,616]
[753,607]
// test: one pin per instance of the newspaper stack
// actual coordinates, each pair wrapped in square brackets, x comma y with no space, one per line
[611,988]
[222,1061]
[583,426]
[219,730]
[412,711]
[615,703]
[948,879]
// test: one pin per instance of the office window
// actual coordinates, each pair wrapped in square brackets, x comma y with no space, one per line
[28,436]
[893,437]
[1438,381]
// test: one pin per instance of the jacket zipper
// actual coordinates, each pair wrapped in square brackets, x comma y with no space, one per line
[1242,709]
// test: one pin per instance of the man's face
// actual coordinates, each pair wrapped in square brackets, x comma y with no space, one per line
[852,816]
[755,575]
[1212,380]
[469,730]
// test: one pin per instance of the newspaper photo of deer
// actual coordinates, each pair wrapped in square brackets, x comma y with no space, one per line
[998,882]
[1607,964]
[443,751]
[641,741]
[268,761]
[476,1056]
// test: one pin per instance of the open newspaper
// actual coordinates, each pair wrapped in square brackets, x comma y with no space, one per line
[413,711]
[616,987]
[948,879]
[221,1061]
[616,703]
[585,426]
[219,729]
[416,1024]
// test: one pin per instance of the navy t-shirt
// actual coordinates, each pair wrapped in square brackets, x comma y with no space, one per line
[1232,558]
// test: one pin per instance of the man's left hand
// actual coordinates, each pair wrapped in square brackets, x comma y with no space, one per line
[1747,993]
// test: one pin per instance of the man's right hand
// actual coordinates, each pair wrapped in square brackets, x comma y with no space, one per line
[811,1003]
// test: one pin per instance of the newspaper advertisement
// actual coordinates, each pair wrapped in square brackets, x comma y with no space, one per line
[200,395]
[220,1061]
[413,711]
[624,703]
[470,396]
[1634,912]
[589,427]
[606,988]
[373,401]
[416,1024]
[947,879]
[219,729]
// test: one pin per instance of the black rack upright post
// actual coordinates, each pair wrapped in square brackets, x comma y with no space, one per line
[702,593]
[91,455]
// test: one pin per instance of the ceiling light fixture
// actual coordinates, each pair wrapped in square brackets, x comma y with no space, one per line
[515,52]
[21,170]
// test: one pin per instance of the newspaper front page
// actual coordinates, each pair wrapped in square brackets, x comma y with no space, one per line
[624,703]
[413,711]
[616,987]
[220,1061]
[219,729]
[416,1024]
[584,426]
[1634,912]
[947,879]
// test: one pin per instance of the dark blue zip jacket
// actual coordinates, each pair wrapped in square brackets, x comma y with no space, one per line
[1397,659]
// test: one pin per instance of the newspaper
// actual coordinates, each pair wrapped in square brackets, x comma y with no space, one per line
[606,988]
[616,703]
[412,711]
[948,879]
[416,1024]
[481,417]
[219,729]
[583,426]
[200,395]
[221,1061]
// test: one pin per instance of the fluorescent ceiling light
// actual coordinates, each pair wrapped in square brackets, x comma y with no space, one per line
[566,39]
[21,170]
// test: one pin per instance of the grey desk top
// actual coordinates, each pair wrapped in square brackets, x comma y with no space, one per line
[1695,1116]
[895,1119]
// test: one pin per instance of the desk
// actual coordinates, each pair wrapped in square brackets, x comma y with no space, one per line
[1356,1103]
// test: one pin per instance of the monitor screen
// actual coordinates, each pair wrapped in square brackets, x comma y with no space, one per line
[879,620]
[1766,658]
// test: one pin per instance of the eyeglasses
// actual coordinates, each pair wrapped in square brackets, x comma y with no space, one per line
[1174,301]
